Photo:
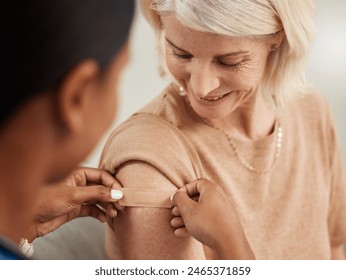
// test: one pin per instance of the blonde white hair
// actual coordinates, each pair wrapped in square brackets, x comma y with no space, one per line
[284,78]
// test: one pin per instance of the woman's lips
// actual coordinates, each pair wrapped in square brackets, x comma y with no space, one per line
[214,100]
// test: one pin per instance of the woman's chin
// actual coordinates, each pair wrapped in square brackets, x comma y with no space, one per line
[212,114]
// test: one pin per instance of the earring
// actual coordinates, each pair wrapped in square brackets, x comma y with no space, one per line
[181,91]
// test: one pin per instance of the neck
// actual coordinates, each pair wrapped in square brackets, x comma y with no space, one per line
[15,207]
[253,120]
[21,168]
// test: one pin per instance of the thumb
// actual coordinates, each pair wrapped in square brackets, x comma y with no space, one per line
[183,202]
[93,193]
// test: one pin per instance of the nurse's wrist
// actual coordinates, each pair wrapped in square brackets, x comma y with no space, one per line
[234,245]
[230,251]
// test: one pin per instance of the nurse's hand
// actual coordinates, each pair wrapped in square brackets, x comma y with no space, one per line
[206,212]
[86,192]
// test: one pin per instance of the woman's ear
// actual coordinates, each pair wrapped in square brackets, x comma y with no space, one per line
[277,40]
[74,95]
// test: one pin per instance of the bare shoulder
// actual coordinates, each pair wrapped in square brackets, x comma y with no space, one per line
[339,252]
[146,233]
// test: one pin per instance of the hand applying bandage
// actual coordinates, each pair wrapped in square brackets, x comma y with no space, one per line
[85,192]
[211,219]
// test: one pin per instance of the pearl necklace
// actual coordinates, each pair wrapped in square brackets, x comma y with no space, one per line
[278,144]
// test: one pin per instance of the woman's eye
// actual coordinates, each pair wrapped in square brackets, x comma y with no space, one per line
[182,56]
[229,64]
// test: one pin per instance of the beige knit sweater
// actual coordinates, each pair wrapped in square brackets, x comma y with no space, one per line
[295,212]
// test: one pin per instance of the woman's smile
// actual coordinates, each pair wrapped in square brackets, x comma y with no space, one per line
[212,100]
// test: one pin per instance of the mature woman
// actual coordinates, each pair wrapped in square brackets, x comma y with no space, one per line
[239,113]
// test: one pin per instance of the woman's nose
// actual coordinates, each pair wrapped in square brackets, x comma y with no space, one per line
[203,80]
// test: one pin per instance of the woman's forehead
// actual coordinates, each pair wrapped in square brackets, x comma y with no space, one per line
[191,40]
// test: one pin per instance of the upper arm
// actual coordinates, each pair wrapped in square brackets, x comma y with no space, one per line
[338,252]
[146,233]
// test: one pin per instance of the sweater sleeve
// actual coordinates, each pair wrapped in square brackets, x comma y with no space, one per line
[153,140]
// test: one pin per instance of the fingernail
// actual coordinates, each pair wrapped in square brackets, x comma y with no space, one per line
[115,194]
[171,198]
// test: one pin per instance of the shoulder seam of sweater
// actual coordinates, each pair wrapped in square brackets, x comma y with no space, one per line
[155,117]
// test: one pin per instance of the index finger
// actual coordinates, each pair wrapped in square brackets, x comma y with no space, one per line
[196,188]
[99,176]
[190,189]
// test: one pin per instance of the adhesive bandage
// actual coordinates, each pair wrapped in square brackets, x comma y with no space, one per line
[156,198]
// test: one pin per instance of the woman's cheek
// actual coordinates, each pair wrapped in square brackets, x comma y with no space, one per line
[176,69]
[242,81]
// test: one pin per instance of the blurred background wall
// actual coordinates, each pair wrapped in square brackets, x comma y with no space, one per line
[326,69]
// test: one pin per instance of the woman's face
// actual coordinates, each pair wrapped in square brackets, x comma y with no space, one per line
[219,74]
